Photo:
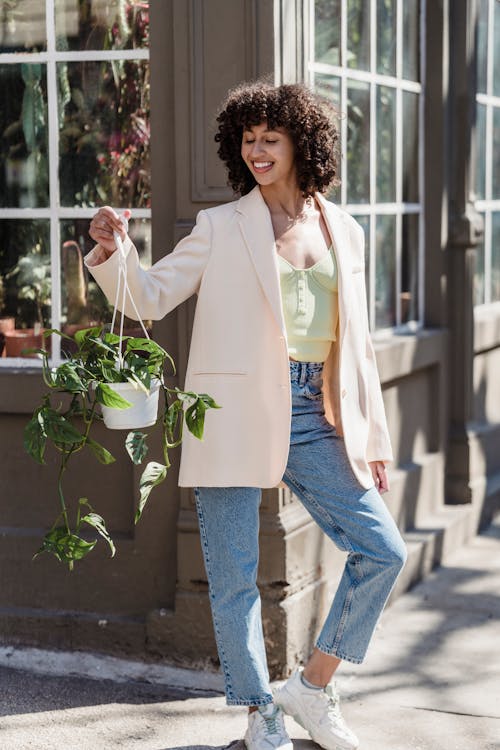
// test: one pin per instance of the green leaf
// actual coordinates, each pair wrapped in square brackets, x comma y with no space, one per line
[209,402]
[173,423]
[97,522]
[153,475]
[57,428]
[195,418]
[107,396]
[135,443]
[101,453]
[67,547]
[67,376]
[86,333]
[35,439]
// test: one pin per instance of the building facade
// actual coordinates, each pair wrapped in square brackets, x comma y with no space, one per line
[114,103]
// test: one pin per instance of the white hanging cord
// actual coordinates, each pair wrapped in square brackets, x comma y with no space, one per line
[122,276]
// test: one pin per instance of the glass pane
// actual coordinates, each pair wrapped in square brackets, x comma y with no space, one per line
[365,223]
[495,256]
[358,142]
[25,285]
[495,187]
[101,24]
[496,50]
[104,133]
[411,40]
[386,37]
[480,142]
[385,272]
[479,286]
[24,178]
[83,302]
[327,31]
[329,87]
[410,148]
[22,27]
[386,144]
[409,269]
[482,46]
[358,34]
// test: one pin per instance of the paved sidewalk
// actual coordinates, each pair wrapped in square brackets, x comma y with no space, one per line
[431,682]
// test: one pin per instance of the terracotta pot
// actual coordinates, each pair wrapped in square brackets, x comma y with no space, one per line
[6,324]
[23,338]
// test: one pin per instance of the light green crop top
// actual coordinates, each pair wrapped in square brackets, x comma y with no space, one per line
[310,307]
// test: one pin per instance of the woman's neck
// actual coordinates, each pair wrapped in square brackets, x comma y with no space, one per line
[284,200]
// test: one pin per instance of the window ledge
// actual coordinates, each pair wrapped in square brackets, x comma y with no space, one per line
[486,327]
[400,354]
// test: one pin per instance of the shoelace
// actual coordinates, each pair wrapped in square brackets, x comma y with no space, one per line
[272,722]
[333,707]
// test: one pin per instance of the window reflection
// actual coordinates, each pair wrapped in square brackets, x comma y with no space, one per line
[411,37]
[104,135]
[479,285]
[358,34]
[358,142]
[22,26]
[386,37]
[409,268]
[482,45]
[385,272]
[327,31]
[386,137]
[24,179]
[83,302]
[101,24]
[25,284]
[410,147]
[495,256]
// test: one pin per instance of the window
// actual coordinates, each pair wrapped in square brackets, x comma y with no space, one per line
[487,275]
[74,134]
[367,57]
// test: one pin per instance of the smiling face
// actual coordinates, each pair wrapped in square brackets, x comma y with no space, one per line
[269,155]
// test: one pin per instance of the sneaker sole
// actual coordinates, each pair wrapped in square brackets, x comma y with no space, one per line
[290,709]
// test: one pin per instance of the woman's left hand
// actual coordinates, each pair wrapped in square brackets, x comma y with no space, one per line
[379,476]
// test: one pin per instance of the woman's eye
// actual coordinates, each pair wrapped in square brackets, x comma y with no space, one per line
[271,141]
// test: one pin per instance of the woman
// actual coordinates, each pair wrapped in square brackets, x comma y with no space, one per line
[280,340]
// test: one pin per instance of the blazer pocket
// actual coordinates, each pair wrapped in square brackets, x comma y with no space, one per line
[358,269]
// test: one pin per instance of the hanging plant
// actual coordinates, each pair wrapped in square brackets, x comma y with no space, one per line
[92,378]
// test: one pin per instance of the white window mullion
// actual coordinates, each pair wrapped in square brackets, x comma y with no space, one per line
[343,102]
[55,257]
[421,167]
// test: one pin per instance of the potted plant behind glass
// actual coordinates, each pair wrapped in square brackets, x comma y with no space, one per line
[32,275]
[103,374]
[7,322]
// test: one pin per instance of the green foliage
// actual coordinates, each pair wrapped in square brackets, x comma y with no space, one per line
[85,378]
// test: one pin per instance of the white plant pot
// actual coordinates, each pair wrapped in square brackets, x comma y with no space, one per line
[142,413]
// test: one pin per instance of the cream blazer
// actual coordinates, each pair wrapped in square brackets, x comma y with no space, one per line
[238,351]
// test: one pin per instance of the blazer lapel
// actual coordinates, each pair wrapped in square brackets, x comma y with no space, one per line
[258,235]
[337,226]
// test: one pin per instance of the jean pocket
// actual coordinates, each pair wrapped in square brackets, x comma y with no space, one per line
[312,388]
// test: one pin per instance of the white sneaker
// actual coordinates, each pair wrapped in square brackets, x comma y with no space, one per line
[266,730]
[318,711]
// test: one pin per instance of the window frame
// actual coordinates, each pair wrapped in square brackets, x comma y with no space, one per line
[488,205]
[372,209]
[55,213]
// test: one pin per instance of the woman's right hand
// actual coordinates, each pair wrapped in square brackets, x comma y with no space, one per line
[105,222]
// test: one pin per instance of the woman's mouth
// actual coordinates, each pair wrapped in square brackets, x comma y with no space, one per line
[262,166]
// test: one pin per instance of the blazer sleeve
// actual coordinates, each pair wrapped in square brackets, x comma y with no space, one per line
[379,444]
[170,281]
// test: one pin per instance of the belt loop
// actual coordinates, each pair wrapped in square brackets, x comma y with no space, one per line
[303,373]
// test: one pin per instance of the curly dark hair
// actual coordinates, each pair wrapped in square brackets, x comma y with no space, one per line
[308,118]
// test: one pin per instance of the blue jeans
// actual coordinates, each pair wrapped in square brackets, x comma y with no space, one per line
[356,519]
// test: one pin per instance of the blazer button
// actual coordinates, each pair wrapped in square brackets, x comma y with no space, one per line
[344,393]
